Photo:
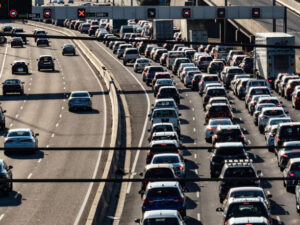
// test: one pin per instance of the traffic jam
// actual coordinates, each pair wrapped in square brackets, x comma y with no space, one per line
[225,77]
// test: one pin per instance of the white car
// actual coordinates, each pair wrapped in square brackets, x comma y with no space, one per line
[212,126]
[79,100]
[140,64]
[161,217]
[276,121]
[165,103]
[266,114]
[20,138]
[174,159]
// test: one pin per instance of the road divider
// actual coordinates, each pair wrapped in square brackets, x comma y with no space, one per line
[101,202]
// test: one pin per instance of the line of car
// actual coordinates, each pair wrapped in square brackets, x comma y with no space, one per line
[213,71]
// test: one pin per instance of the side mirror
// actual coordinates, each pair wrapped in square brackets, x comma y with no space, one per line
[286,112]
[231,102]
[4,111]
[10,167]
[259,173]
[37,59]
[179,114]
[185,189]
[269,195]
[149,115]
[54,58]
[152,104]
[219,209]
[37,134]
[23,82]
[137,221]
[141,192]
[281,102]
[244,129]
[141,174]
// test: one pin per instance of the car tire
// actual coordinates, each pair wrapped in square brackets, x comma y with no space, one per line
[134,70]
[124,62]
[63,53]
[289,188]
[261,129]
[22,92]
[53,69]
[39,69]
[4,93]
[26,71]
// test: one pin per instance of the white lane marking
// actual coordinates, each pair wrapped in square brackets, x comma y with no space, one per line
[10,125]
[17,115]
[40,160]
[193,109]
[249,142]
[193,118]
[196,171]
[198,217]
[190,101]
[186,95]
[87,195]
[194,129]
[63,78]
[146,118]
[29,176]
[17,195]
[195,156]
[29,83]
[278,219]
[60,115]
[62,107]
[57,125]
[2,67]
[28,89]
[64,88]
[198,194]
[21,107]
[47,146]
[52,135]
[1,217]
[64,100]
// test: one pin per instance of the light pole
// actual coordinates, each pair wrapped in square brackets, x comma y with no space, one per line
[224,25]
[274,20]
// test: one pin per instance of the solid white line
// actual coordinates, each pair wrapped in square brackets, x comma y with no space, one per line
[3,62]
[87,195]
[60,115]
[47,146]
[249,141]
[146,117]
[62,107]
[29,176]
[1,217]
[21,107]
[39,160]
[198,217]
[28,89]
[17,115]
[10,125]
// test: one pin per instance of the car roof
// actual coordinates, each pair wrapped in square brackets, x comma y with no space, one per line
[19,129]
[159,165]
[229,127]
[160,214]
[163,184]
[19,61]
[243,220]
[291,143]
[164,100]
[228,144]
[164,109]
[166,154]
[166,133]
[73,92]
[167,87]
[265,97]
[219,104]
[214,88]
[245,189]
[294,160]
[247,199]
[272,108]
[41,56]
[161,142]
[160,124]
[218,98]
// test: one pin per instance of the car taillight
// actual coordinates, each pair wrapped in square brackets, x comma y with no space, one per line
[195,81]
[289,87]
[270,81]
[211,128]
[179,168]
[297,98]
[158,95]
[146,201]
[148,153]
[145,182]
[225,223]
[185,73]
[283,84]
[285,156]
[242,136]
[291,174]
[178,200]
[249,99]
[253,104]
[262,118]
[278,139]
[272,135]
[178,121]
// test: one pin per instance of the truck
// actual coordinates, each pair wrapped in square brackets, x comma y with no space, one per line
[162,29]
[271,61]
[198,36]
[115,25]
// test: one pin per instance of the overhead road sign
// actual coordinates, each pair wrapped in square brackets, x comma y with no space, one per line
[168,12]
[15,9]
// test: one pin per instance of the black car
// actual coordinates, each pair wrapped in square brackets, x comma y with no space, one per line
[2,118]
[42,42]
[13,86]
[237,169]
[7,28]
[68,49]
[5,173]
[19,67]
[16,41]
[169,92]
[195,82]
[46,62]
[225,151]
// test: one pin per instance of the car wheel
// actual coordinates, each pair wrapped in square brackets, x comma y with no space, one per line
[4,93]
[289,188]
[53,69]
[63,53]
[22,92]
[39,69]
[124,62]
[261,129]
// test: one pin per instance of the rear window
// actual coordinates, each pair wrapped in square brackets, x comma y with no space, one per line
[230,151]
[231,132]
[166,159]
[235,71]
[215,109]
[278,121]
[240,172]
[156,69]
[210,78]
[220,122]
[159,173]
[162,192]
[260,91]
[162,128]
[290,131]
[176,54]
[133,51]
[164,113]
[246,209]
[216,92]
[247,194]
[206,59]
[273,112]
[295,166]
[168,91]
[164,82]
[257,83]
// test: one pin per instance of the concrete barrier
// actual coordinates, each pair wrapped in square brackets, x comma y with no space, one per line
[101,201]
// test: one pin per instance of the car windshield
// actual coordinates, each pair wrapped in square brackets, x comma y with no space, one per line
[246,209]
[168,91]
[219,101]
[161,221]
[159,173]
[176,54]
[240,172]
[164,113]
[18,133]
[166,159]
[257,83]
[162,192]
[80,95]
[166,104]
[69,46]
[247,194]
[260,91]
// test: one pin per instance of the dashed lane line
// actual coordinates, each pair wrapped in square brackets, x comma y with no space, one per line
[1,217]
[29,176]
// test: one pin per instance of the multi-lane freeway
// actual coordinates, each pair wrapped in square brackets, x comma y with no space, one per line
[44,109]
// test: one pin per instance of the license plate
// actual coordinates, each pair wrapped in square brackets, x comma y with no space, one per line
[20,69]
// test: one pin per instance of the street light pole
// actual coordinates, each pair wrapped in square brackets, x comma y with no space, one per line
[274,20]
[224,21]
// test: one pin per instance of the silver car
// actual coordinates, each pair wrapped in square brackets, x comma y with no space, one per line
[165,103]
[270,136]
[140,64]
[174,159]
[23,138]
[276,121]
[80,100]
[212,126]
[266,114]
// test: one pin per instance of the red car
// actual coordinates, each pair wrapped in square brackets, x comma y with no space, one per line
[296,99]
[218,110]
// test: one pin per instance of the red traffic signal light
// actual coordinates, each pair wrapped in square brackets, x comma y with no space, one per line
[186,13]
[81,13]
[13,13]
[47,13]
[255,12]
[221,13]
